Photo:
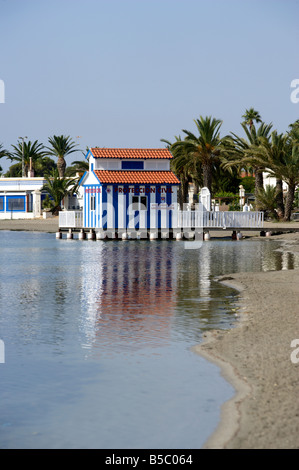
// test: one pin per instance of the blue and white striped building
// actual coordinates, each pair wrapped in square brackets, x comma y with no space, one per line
[129,189]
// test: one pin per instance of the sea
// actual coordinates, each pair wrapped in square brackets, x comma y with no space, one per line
[97,339]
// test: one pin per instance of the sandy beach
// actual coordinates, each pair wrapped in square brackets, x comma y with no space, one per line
[255,357]
[50,225]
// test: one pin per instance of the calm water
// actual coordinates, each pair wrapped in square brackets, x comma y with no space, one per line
[98,335]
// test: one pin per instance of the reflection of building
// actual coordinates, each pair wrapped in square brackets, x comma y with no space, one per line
[129,295]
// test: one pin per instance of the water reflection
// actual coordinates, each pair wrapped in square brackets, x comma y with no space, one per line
[130,295]
[98,339]
[142,295]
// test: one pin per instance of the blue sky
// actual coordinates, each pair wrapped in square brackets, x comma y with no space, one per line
[127,73]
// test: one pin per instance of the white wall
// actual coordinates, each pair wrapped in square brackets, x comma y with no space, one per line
[115,164]
[271,181]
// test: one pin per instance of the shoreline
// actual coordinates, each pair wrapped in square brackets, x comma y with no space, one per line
[254,357]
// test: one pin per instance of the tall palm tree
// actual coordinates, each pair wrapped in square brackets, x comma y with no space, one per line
[204,148]
[274,150]
[250,116]
[58,187]
[284,165]
[32,152]
[60,147]
[3,152]
[238,151]
[183,167]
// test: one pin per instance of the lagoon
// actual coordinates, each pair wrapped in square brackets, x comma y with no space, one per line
[98,339]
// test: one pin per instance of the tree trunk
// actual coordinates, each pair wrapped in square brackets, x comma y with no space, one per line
[56,210]
[279,199]
[61,165]
[259,180]
[207,176]
[289,202]
[183,193]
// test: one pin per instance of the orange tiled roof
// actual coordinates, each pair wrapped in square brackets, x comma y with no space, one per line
[136,177]
[131,153]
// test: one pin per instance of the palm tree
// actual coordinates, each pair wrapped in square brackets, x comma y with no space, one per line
[238,151]
[250,116]
[266,200]
[60,147]
[3,152]
[183,167]
[205,148]
[284,165]
[78,166]
[273,151]
[32,152]
[58,188]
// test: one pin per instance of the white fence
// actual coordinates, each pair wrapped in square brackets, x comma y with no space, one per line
[187,219]
[227,219]
[71,219]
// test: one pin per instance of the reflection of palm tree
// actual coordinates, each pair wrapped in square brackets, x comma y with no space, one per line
[60,147]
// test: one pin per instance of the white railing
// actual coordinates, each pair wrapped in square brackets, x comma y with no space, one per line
[227,219]
[186,219]
[71,219]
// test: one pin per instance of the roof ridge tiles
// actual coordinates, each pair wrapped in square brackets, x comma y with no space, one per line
[126,152]
[136,177]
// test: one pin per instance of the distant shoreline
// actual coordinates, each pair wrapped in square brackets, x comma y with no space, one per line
[254,357]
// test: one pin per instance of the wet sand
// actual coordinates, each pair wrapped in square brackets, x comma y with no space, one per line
[255,357]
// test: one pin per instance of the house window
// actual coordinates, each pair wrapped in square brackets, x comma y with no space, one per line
[15,203]
[139,203]
[135,203]
[92,203]
[1,203]
[132,165]
[143,202]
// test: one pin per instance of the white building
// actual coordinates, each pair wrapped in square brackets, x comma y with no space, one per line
[22,198]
